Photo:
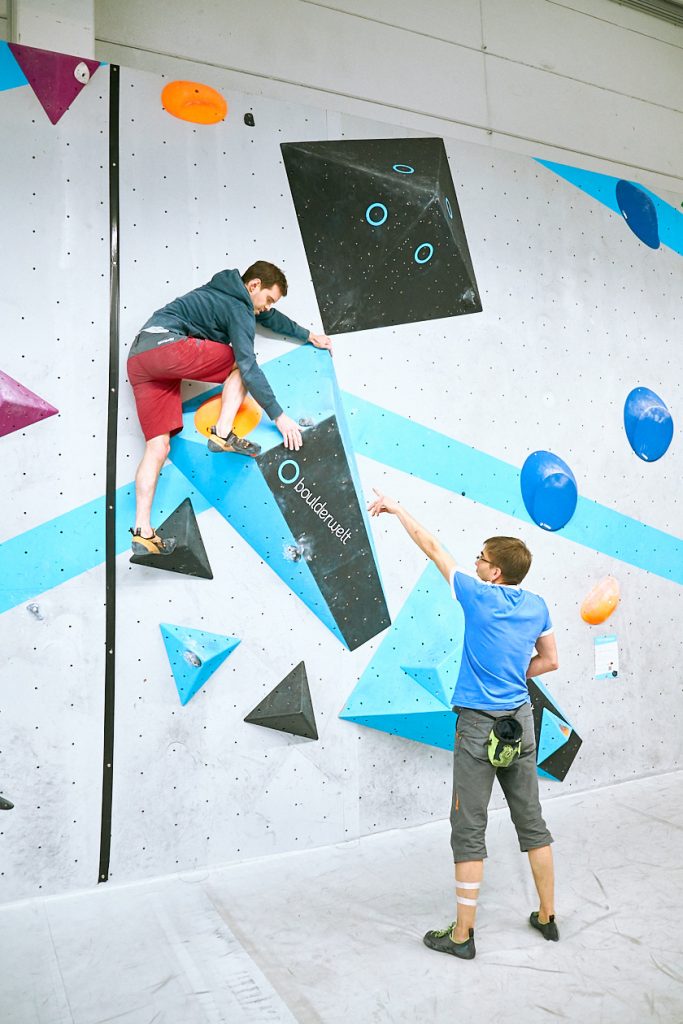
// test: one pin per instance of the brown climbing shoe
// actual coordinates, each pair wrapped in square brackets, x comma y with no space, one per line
[232,443]
[153,545]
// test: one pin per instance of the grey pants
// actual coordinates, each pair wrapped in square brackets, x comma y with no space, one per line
[473,776]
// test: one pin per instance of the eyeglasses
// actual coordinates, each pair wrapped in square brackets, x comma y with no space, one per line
[481,558]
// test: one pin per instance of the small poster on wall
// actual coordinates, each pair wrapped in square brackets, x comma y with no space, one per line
[606,657]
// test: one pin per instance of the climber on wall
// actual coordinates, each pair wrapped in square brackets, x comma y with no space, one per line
[495,730]
[206,335]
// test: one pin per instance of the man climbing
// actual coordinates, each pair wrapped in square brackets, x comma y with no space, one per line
[495,731]
[206,335]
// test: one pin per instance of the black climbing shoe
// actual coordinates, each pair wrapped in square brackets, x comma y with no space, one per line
[443,943]
[548,931]
[153,545]
[232,443]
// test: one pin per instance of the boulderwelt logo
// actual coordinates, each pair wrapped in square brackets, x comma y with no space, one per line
[290,474]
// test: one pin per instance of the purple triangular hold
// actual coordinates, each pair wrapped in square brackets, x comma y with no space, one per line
[56,78]
[19,407]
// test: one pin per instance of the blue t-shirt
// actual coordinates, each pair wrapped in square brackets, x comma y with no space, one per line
[502,625]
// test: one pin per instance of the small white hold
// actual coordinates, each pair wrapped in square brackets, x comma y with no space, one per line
[82,73]
[306,421]
[35,611]
[192,659]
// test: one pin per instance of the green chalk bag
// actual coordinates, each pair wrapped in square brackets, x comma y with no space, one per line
[505,741]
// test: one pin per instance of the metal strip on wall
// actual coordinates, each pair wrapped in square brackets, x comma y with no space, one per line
[110,518]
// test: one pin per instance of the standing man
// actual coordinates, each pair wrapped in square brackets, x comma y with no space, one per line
[503,625]
[207,335]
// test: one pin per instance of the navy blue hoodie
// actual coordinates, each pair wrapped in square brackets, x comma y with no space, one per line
[222,310]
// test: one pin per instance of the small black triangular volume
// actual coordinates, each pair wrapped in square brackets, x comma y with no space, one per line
[288,708]
[189,557]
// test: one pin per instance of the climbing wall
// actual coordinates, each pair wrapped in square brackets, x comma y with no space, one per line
[491,401]
[53,422]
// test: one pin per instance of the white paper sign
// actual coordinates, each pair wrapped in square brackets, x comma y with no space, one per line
[606,657]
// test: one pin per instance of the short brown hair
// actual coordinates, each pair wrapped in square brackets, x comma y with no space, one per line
[510,555]
[268,274]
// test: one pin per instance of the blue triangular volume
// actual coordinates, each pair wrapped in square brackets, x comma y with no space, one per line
[554,734]
[194,656]
[387,696]
[437,674]
[235,487]
[11,75]
[292,531]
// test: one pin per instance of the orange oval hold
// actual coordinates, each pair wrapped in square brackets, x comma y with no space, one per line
[248,416]
[192,101]
[599,604]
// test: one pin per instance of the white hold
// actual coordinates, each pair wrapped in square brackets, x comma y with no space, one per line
[82,73]
[34,609]
[192,659]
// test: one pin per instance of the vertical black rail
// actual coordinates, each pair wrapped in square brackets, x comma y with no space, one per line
[110,517]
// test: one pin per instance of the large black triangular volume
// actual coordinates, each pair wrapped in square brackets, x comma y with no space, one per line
[382,230]
[288,708]
[189,557]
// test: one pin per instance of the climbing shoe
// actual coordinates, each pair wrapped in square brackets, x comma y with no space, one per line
[154,545]
[443,943]
[548,931]
[232,443]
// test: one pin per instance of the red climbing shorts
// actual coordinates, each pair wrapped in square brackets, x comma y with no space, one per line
[155,377]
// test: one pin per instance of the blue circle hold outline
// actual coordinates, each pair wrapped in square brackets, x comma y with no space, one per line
[424,245]
[449,209]
[376,206]
[403,169]
[289,462]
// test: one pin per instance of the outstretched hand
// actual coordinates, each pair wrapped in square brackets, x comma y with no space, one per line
[321,341]
[382,503]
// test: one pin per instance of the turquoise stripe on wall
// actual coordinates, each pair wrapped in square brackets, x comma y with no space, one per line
[439,459]
[603,188]
[73,543]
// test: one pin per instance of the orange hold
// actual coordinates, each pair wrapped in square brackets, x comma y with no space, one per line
[601,601]
[248,416]
[192,101]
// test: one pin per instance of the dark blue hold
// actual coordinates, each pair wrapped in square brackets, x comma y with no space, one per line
[639,212]
[549,490]
[648,424]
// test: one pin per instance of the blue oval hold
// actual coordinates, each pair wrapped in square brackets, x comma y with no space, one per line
[549,490]
[648,424]
[403,169]
[639,212]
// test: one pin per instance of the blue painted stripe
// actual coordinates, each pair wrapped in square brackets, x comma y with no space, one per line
[603,188]
[11,75]
[396,441]
[73,543]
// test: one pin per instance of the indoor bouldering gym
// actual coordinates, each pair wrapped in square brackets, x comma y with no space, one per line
[341,553]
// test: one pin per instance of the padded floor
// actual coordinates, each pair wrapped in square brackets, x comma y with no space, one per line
[334,935]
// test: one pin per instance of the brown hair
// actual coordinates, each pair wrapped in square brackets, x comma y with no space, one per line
[268,274]
[510,555]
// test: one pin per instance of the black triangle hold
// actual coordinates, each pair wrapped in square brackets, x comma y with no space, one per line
[189,557]
[288,708]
